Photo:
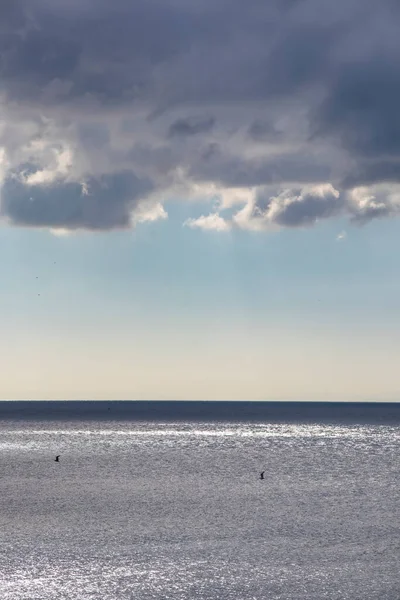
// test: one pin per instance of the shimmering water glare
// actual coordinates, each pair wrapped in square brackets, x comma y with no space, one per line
[146,511]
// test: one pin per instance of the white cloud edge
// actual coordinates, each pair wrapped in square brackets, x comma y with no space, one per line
[60,161]
[211,222]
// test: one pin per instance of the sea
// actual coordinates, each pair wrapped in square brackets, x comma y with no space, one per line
[164,501]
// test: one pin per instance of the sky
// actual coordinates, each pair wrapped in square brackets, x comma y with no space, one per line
[199,199]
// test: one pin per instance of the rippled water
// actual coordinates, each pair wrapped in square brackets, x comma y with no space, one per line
[177,511]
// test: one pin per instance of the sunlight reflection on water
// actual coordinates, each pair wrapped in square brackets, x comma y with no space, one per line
[159,511]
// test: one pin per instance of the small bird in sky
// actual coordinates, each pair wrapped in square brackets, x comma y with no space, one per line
[57,458]
[262,475]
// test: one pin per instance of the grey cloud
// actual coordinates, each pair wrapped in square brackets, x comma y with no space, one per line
[374,211]
[303,208]
[300,208]
[366,204]
[161,51]
[261,131]
[316,80]
[372,172]
[94,134]
[190,126]
[103,49]
[301,56]
[107,205]
[310,209]
[166,51]
[233,171]
[362,107]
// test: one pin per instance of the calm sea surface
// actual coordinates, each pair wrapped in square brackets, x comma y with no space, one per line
[176,510]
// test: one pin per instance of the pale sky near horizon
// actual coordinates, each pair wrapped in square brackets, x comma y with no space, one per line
[191,210]
[166,312]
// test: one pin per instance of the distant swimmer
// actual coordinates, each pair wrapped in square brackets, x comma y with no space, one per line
[262,475]
[57,458]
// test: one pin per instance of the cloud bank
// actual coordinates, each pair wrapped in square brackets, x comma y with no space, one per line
[284,112]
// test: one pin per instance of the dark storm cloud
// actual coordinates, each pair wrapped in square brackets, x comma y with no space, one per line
[317,80]
[103,204]
[362,107]
[233,171]
[372,172]
[261,131]
[160,51]
[191,126]
[106,50]
[170,50]
[300,57]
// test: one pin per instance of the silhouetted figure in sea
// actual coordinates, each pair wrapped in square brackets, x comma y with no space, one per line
[57,458]
[262,475]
